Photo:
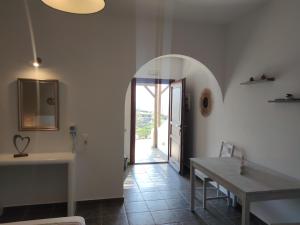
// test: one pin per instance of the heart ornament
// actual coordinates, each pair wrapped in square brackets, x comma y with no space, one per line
[21,143]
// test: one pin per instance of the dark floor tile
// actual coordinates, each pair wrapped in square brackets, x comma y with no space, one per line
[89,209]
[112,210]
[93,221]
[144,189]
[185,215]
[198,222]
[39,212]
[167,194]
[177,204]
[133,197]
[147,187]
[153,195]
[144,218]
[166,216]
[112,207]
[134,207]
[131,190]
[115,220]
[112,202]
[60,210]
[212,217]
[13,214]
[157,205]
[171,224]
[222,207]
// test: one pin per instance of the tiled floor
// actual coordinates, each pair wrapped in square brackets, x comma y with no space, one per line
[153,194]
[145,153]
[156,194]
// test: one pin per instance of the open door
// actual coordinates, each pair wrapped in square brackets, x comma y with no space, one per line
[176,124]
[149,132]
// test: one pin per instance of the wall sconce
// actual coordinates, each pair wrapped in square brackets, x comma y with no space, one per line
[37,62]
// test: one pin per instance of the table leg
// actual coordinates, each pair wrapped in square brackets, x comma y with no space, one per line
[228,199]
[204,194]
[245,212]
[71,189]
[192,180]
[234,204]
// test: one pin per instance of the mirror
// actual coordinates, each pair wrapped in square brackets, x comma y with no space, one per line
[38,105]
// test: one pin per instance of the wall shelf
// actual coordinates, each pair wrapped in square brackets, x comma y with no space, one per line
[285,100]
[249,82]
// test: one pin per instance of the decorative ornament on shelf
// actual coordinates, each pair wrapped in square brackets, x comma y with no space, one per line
[263,78]
[289,98]
[206,102]
[21,144]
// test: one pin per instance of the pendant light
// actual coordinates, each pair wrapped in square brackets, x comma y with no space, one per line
[76,6]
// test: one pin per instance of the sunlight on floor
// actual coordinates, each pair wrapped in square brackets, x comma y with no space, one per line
[145,153]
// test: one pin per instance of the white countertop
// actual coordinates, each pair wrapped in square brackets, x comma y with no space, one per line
[256,178]
[37,158]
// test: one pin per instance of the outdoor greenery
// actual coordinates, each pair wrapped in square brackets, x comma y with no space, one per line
[145,124]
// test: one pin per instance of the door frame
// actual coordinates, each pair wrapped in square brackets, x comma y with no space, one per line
[134,82]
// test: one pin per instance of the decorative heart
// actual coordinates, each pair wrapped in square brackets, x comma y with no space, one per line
[21,143]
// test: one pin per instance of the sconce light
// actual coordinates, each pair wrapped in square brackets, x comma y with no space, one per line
[76,6]
[37,62]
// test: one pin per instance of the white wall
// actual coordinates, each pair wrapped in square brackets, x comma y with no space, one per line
[205,43]
[127,123]
[266,41]
[83,52]
[94,57]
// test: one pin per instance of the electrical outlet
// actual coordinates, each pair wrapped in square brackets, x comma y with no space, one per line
[85,138]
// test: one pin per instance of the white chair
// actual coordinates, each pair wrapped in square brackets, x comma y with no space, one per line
[227,150]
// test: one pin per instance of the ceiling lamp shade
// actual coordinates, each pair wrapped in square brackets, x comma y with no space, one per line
[76,6]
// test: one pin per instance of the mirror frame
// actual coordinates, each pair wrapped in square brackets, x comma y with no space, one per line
[20,103]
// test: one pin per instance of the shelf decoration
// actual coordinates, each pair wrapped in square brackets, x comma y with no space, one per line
[206,102]
[262,79]
[21,143]
[288,99]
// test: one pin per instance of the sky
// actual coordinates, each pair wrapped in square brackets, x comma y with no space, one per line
[145,101]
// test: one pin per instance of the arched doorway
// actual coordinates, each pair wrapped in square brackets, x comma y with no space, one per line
[172,68]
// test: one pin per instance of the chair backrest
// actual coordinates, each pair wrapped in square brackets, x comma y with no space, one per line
[227,150]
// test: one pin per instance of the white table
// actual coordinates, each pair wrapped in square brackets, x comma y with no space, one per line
[257,184]
[48,159]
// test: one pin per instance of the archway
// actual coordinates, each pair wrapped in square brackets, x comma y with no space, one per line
[198,77]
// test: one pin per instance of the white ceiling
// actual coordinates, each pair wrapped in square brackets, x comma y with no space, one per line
[215,11]
[171,67]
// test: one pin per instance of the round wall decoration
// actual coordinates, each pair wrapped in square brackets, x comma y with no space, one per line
[206,102]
